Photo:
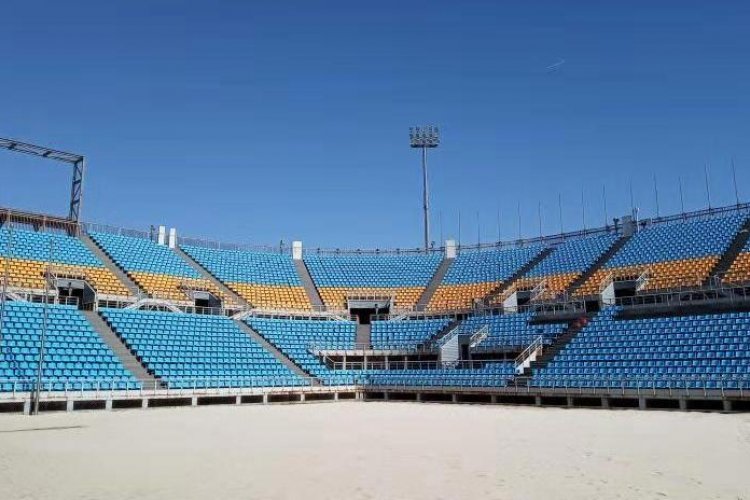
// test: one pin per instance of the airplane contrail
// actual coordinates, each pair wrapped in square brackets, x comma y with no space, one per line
[553,67]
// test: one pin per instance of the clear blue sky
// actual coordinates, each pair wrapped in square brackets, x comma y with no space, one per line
[260,121]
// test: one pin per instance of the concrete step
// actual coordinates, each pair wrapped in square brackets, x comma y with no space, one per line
[121,275]
[206,274]
[270,347]
[364,335]
[309,285]
[125,355]
[433,285]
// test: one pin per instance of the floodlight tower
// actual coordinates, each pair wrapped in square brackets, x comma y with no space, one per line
[425,138]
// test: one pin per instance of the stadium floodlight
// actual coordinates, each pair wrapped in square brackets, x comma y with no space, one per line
[425,138]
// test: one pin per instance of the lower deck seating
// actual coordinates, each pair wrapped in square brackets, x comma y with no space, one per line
[75,357]
[405,334]
[191,350]
[295,337]
[490,374]
[510,331]
[697,351]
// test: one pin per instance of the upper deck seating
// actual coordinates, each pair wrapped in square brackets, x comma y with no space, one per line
[75,357]
[673,255]
[403,276]
[193,350]
[739,271]
[710,351]
[157,269]
[264,279]
[475,273]
[565,263]
[28,254]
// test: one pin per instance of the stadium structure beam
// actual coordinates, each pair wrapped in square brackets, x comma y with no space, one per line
[425,138]
[77,161]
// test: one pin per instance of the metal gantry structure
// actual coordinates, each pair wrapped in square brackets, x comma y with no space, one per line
[77,161]
[425,138]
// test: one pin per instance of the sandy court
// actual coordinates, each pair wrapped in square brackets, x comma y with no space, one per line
[375,450]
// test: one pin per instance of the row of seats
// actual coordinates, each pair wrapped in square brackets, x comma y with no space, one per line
[405,334]
[403,277]
[264,279]
[73,350]
[157,269]
[507,331]
[567,261]
[609,350]
[475,273]
[191,349]
[28,255]
[675,254]
[739,271]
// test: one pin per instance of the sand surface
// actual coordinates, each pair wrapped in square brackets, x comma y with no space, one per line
[374,450]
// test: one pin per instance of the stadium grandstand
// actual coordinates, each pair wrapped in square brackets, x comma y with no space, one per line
[645,313]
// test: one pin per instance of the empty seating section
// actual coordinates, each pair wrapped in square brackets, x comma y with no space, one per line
[28,254]
[264,279]
[490,374]
[474,274]
[565,263]
[510,330]
[295,338]
[739,271]
[188,350]
[75,357]
[157,269]
[402,276]
[673,254]
[711,350]
[406,333]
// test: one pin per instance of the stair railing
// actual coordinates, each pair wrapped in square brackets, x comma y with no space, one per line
[532,351]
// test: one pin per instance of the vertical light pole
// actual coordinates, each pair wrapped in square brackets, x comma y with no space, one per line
[425,138]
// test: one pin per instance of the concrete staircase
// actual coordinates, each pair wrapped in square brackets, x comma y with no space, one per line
[275,351]
[603,259]
[309,285]
[364,335]
[497,291]
[126,356]
[121,275]
[228,292]
[738,243]
[432,341]
[575,326]
[433,285]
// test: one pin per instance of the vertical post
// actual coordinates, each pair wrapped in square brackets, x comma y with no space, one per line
[519,219]
[734,179]
[43,336]
[604,201]
[583,208]
[708,187]
[559,209]
[426,200]
[6,274]
[656,196]
[682,199]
